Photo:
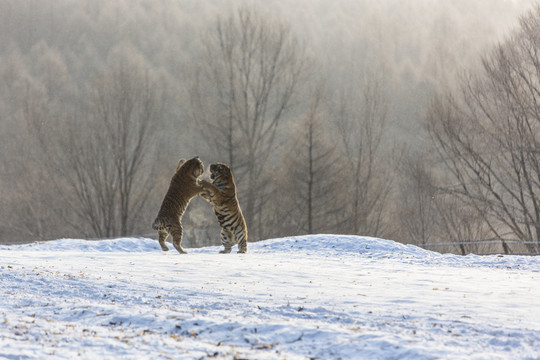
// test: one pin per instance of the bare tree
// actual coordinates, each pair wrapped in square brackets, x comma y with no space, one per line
[488,136]
[247,80]
[362,116]
[417,192]
[127,104]
[32,199]
[100,163]
[458,223]
[310,181]
[429,213]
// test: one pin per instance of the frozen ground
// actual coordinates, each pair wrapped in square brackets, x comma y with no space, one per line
[321,296]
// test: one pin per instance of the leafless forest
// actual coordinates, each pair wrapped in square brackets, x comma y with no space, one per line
[417,121]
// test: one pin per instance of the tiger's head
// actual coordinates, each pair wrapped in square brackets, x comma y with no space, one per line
[221,173]
[193,167]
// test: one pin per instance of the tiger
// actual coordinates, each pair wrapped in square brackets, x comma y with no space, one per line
[221,194]
[184,187]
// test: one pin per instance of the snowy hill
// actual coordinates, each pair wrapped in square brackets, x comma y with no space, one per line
[320,296]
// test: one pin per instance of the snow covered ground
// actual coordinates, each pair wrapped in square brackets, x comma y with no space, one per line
[320,296]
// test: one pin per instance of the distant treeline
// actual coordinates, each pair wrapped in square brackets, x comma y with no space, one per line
[331,115]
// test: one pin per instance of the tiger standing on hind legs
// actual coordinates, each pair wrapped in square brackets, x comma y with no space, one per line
[184,187]
[221,194]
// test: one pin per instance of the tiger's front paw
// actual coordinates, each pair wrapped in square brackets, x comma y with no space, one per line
[205,195]
[203,183]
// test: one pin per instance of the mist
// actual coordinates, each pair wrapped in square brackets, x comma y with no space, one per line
[59,59]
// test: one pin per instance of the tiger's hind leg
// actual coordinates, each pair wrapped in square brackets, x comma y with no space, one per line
[227,238]
[242,244]
[163,235]
[176,233]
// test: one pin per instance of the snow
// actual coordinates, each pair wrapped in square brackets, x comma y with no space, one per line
[319,296]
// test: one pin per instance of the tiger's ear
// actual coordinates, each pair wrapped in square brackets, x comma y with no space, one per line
[180,163]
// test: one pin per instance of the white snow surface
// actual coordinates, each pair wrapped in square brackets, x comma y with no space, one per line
[305,297]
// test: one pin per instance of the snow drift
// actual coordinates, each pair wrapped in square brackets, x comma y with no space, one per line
[319,296]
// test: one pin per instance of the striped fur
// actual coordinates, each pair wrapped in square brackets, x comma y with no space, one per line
[183,188]
[221,194]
